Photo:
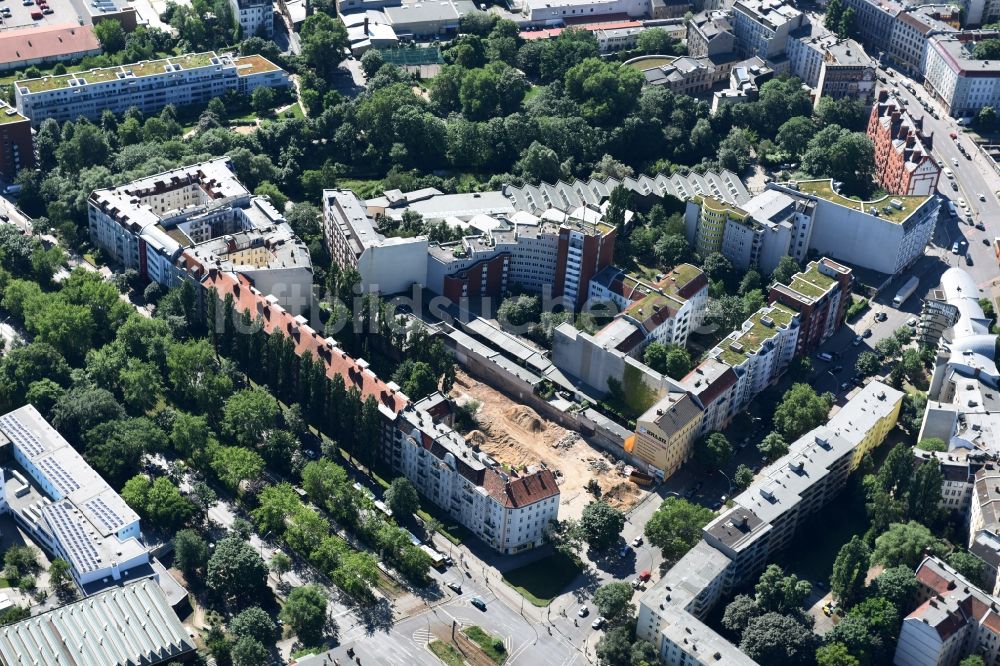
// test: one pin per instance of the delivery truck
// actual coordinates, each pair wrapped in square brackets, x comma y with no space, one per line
[905,292]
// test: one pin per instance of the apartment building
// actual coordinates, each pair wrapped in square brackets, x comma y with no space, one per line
[557,12]
[904,163]
[958,81]
[821,295]
[387,265]
[768,513]
[17,145]
[255,17]
[201,215]
[738,543]
[65,506]
[874,21]
[665,433]
[690,75]
[671,612]
[757,233]
[912,31]
[745,81]
[846,72]
[887,235]
[663,312]
[508,512]
[184,80]
[762,27]
[954,620]
[710,34]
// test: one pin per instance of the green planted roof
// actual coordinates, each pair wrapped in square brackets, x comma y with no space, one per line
[752,339]
[103,74]
[811,282]
[824,190]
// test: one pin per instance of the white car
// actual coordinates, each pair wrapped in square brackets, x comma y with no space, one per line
[636,542]
[954,161]
[911,322]
[961,202]
[583,612]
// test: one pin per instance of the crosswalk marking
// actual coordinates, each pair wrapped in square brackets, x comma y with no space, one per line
[422,636]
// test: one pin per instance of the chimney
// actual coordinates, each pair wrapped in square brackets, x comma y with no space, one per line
[366,25]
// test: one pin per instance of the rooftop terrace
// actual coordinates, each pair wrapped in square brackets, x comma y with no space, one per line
[10,115]
[139,69]
[824,190]
[753,338]
[668,294]
[811,282]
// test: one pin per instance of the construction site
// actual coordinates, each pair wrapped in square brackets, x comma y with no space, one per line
[516,436]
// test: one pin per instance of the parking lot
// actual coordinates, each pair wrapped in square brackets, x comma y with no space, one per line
[17,14]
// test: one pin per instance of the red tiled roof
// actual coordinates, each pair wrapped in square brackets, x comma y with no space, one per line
[992,622]
[276,318]
[522,491]
[932,579]
[549,33]
[46,42]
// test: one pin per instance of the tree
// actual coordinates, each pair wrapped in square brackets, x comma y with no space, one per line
[776,639]
[676,526]
[190,552]
[780,593]
[969,566]
[371,62]
[249,415]
[604,90]
[905,543]
[402,497]
[111,35]
[254,623]
[539,163]
[60,578]
[305,612]
[845,112]
[115,449]
[248,651]
[867,364]
[736,149]
[800,410]
[739,612]
[743,476]
[972,660]
[713,451]
[262,101]
[896,472]
[924,495]
[82,408]
[835,654]
[614,602]
[786,268]
[845,156]
[158,500]
[669,359]
[601,524]
[932,444]
[986,118]
[280,564]
[773,446]
[234,464]
[323,42]
[987,49]
[236,572]
[793,136]
[897,585]
[615,647]
[847,583]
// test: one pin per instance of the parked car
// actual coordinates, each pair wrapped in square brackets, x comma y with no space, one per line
[623,551]
[583,612]
[857,340]
[881,316]
[912,322]
[968,260]
[455,587]
[954,247]
[867,333]
[636,542]
[598,622]
[982,197]
[980,226]
[478,603]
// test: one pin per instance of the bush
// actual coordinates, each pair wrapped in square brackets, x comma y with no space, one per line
[856,308]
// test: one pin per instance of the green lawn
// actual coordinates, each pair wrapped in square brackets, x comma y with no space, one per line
[486,641]
[446,653]
[542,581]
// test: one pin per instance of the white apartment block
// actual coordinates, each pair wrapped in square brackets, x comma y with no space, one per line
[954,620]
[149,86]
[962,84]
[181,223]
[887,235]
[256,17]
[65,505]
[386,265]
[555,12]
[767,514]
[507,512]
[761,27]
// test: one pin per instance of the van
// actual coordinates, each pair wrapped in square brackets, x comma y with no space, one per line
[823,356]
